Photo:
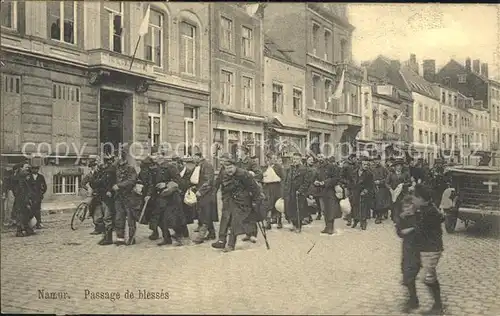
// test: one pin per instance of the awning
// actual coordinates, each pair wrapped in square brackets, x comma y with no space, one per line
[289,132]
[244,117]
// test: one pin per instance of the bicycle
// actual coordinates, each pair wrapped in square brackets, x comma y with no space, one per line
[82,213]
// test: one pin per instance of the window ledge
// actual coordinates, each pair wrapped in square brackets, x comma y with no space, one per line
[249,59]
[227,51]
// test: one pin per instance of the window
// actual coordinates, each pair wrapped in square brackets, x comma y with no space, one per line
[394,123]
[328,94]
[315,38]
[115,12]
[431,113]
[62,16]
[327,144]
[247,42]
[328,39]
[450,120]
[219,137]
[443,140]
[462,78]
[450,140]
[449,98]
[443,118]
[226,86]
[190,116]
[277,98]
[247,93]
[315,90]
[155,110]
[227,33]
[420,136]
[297,102]
[455,120]
[153,40]
[65,184]
[420,112]
[435,138]
[188,48]
[11,84]
[426,139]
[314,142]
[407,110]
[11,100]
[455,100]
[343,51]
[431,137]
[385,122]
[366,100]
[426,114]
[375,120]
[9,14]
[443,97]
[65,113]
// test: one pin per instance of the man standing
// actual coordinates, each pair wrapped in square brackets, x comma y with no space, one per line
[349,170]
[89,182]
[382,193]
[184,185]
[23,202]
[202,179]
[249,164]
[38,188]
[395,179]
[104,185]
[295,189]
[271,180]
[362,195]
[126,178]
[240,194]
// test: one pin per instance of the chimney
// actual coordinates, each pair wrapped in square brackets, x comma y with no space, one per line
[484,69]
[467,65]
[413,63]
[476,65]
[429,70]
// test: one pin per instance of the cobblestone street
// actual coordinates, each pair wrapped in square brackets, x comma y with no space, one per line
[355,272]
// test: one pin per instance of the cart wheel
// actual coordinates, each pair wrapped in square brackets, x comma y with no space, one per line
[450,222]
[79,215]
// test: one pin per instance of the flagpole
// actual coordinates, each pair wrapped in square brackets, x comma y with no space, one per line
[135,52]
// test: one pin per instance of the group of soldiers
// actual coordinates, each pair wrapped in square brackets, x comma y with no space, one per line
[157,195]
[26,187]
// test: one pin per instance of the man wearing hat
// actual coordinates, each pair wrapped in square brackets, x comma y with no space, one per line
[202,180]
[184,185]
[126,178]
[295,190]
[89,182]
[23,200]
[38,187]
[348,172]
[104,184]
[398,178]
[363,193]
[240,192]
[382,193]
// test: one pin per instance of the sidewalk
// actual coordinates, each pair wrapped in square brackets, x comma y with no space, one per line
[59,207]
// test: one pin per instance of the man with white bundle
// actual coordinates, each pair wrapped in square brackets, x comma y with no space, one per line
[271,180]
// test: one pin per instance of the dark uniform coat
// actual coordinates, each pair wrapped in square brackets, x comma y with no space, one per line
[362,194]
[393,180]
[240,197]
[38,189]
[382,194]
[207,201]
[23,197]
[103,183]
[297,180]
[250,165]
[169,206]
[329,174]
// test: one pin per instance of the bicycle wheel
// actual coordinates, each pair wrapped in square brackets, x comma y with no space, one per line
[79,215]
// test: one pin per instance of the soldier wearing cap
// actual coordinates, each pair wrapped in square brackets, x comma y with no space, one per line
[398,178]
[89,182]
[104,184]
[295,191]
[240,192]
[348,172]
[184,185]
[126,178]
[38,187]
[382,194]
[23,200]
[362,194]
[144,180]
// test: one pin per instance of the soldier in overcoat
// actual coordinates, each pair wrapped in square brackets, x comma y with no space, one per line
[241,195]
[326,178]
[104,183]
[167,212]
[395,178]
[295,191]
[382,194]
[126,177]
[312,163]
[184,184]
[271,185]
[202,179]
[38,188]
[23,199]
[349,170]
[362,194]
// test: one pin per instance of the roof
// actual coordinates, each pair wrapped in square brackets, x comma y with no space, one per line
[385,69]
[273,49]
[418,84]
[463,68]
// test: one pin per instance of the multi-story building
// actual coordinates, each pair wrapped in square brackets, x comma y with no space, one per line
[320,36]
[494,102]
[236,78]
[69,83]
[449,116]
[464,104]
[283,100]
[366,133]
[392,103]
[480,125]
[426,118]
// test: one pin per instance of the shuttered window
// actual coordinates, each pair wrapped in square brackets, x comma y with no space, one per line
[65,115]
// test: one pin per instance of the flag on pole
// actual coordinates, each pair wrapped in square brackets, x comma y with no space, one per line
[340,88]
[398,118]
[143,29]
[252,8]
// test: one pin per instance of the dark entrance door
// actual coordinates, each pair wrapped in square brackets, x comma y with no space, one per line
[111,130]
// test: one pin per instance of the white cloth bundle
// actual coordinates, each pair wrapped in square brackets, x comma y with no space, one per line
[190,198]
[396,192]
[345,207]
[339,192]
[195,177]
[280,205]
[446,201]
[270,176]
[183,172]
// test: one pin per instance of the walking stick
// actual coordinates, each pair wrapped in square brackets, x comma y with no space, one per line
[143,210]
[299,222]
[264,234]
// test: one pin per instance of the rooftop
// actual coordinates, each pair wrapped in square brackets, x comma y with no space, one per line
[274,49]
[417,83]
